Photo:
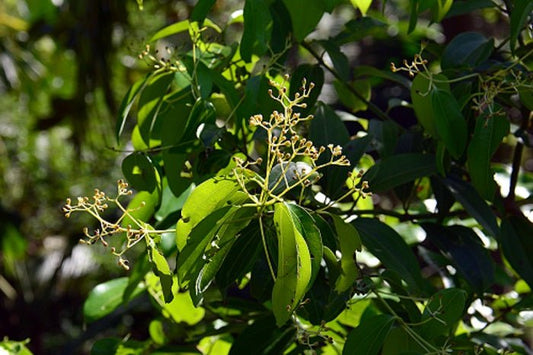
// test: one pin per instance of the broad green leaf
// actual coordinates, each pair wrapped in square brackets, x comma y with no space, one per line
[399,169]
[106,297]
[368,337]
[157,332]
[440,9]
[357,29]
[127,103]
[466,253]
[201,10]
[349,243]
[174,162]
[140,172]
[467,49]
[307,227]
[339,59]
[398,341]
[170,30]
[390,248]
[257,29]
[327,127]
[263,337]
[141,208]
[449,121]
[203,112]
[519,14]
[526,97]
[369,71]
[413,15]
[473,204]
[294,265]
[192,257]
[354,101]
[488,134]
[384,135]
[174,115]
[464,7]
[421,98]
[305,15]
[205,199]
[161,270]
[442,313]
[181,308]
[362,5]
[517,245]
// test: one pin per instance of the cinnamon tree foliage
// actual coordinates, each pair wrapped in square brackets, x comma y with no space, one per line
[325,176]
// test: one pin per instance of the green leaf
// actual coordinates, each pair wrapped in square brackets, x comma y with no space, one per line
[312,74]
[413,15]
[327,127]
[257,29]
[127,103]
[466,252]
[106,297]
[349,99]
[170,30]
[398,341]
[203,112]
[449,121]
[201,9]
[399,169]
[520,13]
[440,9]
[467,49]
[463,7]
[294,265]
[442,313]
[140,172]
[517,245]
[205,199]
[473,204]
[390,248]
[305,15]
[488,134]
[349,243]
[362,5]
[141,207]
[368,337]
[264,337]
[339,59]
[422,101]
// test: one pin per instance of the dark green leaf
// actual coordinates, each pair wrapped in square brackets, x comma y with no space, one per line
[384,136]
[257,29]
[368,337]
[349,243]
[327,127]
[201,9]
[521,11]
[468,49]
[473,204]
[305,15]
[360,28]
[488,134]
[106,346]
[413,16]
[466,252]
[463,7]
[449,121]
[127,103]
[444,310]
[517,245]
[390,248]
[399,169]
[106,297]
[339,59]
[139,171]
[312,74]
[264,337]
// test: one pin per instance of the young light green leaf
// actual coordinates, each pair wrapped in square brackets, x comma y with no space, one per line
[369,335]
[349,243]
[449,121]
[421,98]
[170,30]
[294,266]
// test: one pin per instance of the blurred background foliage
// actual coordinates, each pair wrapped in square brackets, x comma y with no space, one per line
[64,67]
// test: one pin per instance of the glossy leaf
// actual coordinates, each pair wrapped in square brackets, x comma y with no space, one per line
[466,252]
[517,245]
[488,134]
[205,199]
[389,247]
[349,243]
[140,172]
[468,49]
[106,297]
[449,121]
[519,14]
[368,337]
[294,265]
[444,310]
[399,169]
[473,204]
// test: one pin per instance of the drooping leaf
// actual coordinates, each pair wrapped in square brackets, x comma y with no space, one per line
[349,243]
[128,102]
[338,58]
[517,245]
[520,13]
[488,134]
[422,101]
[140,172]
[162,270]
[368,337]
[466,253]
[473,204]
[449,121]
[443,312]
[106,297]
[257,29]
[294,265]
[399,169]
[390,248]
[468,49]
